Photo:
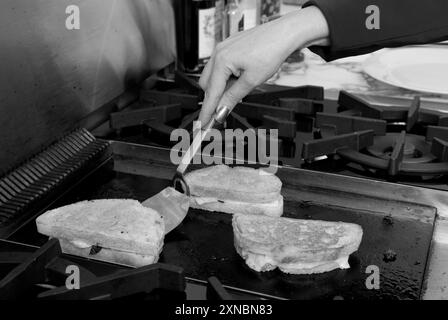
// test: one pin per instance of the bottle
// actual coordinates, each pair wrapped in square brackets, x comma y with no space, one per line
[250,12]
[233,21]
[219,16]
[195,33]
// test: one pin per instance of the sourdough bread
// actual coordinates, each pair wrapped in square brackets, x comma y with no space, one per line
[235,190]
[123,226]
[237,184]
[294,246]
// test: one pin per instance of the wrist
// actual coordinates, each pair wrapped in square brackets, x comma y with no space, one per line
[309,27]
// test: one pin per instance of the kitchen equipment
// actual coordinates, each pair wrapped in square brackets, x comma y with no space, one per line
[418,68]
[398,217]
[171,204]
[28,272]
[348,136]
[394,217]
[218,118]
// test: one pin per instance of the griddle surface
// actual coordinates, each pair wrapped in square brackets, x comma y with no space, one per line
[203,246]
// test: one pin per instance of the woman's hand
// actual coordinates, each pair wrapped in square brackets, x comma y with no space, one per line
[249,58]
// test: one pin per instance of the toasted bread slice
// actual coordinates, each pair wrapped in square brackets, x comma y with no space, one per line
[235,190]
[237,184]
[295,246]
[120,227]
[273,208]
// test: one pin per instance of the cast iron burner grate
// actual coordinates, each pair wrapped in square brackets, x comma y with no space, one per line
[158,112]
[42,274]
[360,135]
[38,270]
[399,142]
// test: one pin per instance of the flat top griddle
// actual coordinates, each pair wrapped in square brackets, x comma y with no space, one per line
[203,244]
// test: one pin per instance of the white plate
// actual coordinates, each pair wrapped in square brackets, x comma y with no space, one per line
[415,68]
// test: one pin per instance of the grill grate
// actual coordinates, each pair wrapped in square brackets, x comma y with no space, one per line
[42,174]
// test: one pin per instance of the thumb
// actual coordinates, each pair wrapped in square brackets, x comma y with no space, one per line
[236,92]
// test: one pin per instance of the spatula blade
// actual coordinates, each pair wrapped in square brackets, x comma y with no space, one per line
[171,204]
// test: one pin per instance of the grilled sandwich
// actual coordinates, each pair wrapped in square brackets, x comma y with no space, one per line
[120,231]
[294,246]
[235,190]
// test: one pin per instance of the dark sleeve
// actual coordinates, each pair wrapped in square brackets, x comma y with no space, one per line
[402,22]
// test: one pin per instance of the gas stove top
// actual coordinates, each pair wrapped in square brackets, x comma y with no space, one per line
[129,157]
[202,246]
[404,144]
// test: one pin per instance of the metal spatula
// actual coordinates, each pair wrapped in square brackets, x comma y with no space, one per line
[172,205]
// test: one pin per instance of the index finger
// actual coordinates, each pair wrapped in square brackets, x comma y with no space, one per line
[215,89]
[205,75]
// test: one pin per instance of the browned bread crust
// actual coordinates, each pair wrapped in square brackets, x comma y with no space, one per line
[237,184]
[295,246]
[121,225]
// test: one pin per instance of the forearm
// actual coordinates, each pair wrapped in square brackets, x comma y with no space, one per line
[401,22]
[306,27]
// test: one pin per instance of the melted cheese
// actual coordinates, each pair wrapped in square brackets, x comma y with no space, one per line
[80,244]
[260,263]
[202,200]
